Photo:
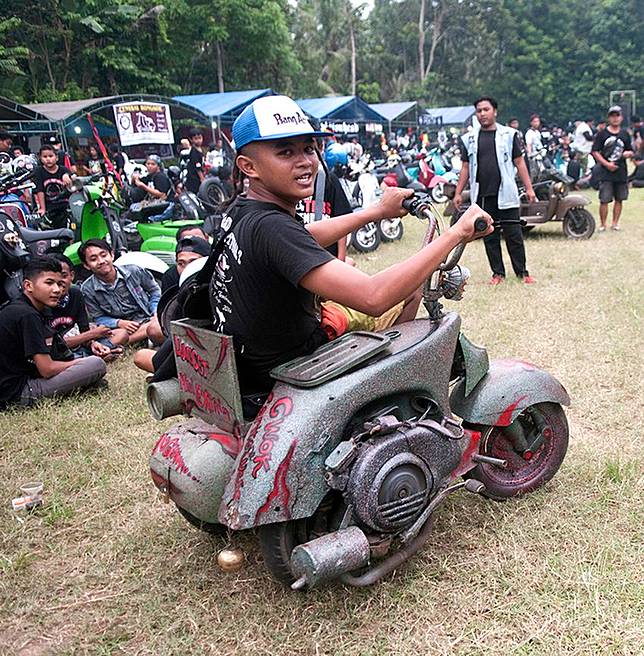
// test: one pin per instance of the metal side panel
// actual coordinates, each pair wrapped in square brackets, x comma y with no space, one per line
[279,472]
[505,391]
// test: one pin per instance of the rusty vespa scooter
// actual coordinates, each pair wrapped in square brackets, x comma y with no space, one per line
[360,442]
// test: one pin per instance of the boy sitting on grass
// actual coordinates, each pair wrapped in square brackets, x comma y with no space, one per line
[272,267]
[69,319]
[27,370]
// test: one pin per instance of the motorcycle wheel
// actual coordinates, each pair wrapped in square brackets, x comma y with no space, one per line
[277,541]
[578,223]
[366,239]
[212,192]
[390,229]
[522,476]
[208,527]
[438,194]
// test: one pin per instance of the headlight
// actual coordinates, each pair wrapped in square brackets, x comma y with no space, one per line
[559,188]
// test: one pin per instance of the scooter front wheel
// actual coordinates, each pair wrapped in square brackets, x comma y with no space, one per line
[543,423]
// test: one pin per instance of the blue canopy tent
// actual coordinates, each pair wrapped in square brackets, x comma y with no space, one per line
[223,108]
[443,116]
[344,114]
[398,114]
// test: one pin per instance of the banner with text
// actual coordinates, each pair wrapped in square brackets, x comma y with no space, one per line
[143,123]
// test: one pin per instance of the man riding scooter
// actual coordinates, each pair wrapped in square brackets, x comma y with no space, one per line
[271,267]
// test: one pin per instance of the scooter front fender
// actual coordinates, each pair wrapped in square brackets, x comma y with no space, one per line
[569,201]
[508,388]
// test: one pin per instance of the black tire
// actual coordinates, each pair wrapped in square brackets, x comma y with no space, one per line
[578,223]
[522,476]
[366,239]
[391,229]
[277,542]
[208,527]
[212,192]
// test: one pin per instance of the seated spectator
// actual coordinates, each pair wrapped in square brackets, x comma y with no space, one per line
[27,370]
[171,277]
[69,319]
[637,176]
[189,248]
[157,186]
[52,189]
[124,297]
[119,158]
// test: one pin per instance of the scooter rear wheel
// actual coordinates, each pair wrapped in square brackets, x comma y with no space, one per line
[522,475]
[277,541]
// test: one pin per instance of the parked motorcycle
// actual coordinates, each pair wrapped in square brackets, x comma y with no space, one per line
[13,187]
[359,443]
[96,209]
[555,202]
[18,244]
[362,188]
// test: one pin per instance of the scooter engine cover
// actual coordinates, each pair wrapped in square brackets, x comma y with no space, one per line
[389,486]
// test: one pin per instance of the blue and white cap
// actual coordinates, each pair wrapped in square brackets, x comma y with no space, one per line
[272,117]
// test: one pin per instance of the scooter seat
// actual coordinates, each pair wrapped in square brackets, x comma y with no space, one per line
[29,235]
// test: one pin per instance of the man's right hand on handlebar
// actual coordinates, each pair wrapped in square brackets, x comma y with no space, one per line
[464,227]
[390,204]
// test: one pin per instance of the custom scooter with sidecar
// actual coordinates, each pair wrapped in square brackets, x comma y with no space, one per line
[359,443]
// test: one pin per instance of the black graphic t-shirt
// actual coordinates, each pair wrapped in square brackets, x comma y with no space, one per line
[336,203]
[22,335]
[52,185]
[194,167]
[161,182]
[69,312]
[488,174]
[612,145]
[255,293]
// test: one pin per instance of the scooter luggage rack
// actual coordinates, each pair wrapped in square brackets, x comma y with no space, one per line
[332,360]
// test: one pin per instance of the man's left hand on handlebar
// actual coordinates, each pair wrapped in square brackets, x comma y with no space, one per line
[464,227]
[390,203]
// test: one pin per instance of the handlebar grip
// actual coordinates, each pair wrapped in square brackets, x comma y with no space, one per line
[409,203]
[480,225]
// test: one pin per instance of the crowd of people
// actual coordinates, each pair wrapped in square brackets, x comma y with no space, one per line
[59,336]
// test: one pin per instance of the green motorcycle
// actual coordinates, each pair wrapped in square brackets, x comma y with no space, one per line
[96,208]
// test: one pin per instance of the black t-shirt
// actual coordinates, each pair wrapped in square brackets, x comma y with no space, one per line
[161,182]
[22,335]
[52,185]
[194,167]
[119,162]
[612,146]
[488,175]
[255,295]
[170,279]
[69,312]
[336,203]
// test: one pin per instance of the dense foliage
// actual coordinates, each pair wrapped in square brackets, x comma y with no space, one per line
[560,58]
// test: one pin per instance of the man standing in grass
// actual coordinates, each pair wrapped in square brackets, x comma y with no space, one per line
[27,370]
[611,148]
[490,154]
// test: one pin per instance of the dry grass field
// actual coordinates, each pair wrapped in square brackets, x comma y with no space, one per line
[106,568]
